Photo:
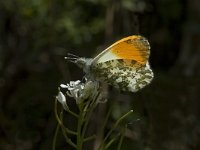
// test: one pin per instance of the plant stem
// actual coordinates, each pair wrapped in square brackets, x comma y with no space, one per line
[85,113]
[72,113]
[111,141]
[113,128]
[68,140]
[79,126]
[121,138]
[89,138]
[87,118]
[55,137]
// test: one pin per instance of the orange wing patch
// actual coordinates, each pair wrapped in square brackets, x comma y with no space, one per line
[133,47]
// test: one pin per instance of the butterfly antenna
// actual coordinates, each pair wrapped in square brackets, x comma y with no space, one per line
[71,59]
[70,54]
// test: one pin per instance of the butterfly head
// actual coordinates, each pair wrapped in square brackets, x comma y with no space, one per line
[80,61]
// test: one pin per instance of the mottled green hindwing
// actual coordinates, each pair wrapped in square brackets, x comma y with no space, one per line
[126,77]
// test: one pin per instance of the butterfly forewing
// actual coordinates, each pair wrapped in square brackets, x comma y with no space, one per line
[133,47]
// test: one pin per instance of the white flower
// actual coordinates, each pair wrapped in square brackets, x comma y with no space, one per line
[80,91]
[62,99]
[71,84]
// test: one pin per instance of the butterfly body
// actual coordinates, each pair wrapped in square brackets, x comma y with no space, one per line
[123,65]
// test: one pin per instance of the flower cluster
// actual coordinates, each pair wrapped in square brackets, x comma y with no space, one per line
[78,90]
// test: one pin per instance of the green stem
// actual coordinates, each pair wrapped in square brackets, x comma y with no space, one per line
[68,140]
[70,131]
[106,120]
[113,128]
[89,138]
[72,113]
[61,124]
[79,126]
[55,137]
[121,139]
[88,117]
[111,141]
[84,116]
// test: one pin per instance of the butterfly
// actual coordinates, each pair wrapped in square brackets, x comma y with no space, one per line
[124,64]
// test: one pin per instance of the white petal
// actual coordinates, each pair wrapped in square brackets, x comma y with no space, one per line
[70,88]
[77,82]
[74,83]
[64,86]
[61,97]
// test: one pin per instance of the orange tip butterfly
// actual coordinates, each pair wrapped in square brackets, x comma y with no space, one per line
[123,65]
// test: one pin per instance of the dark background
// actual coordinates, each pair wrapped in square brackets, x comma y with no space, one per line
[35,36]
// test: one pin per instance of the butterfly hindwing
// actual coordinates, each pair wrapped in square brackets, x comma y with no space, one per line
[122,76]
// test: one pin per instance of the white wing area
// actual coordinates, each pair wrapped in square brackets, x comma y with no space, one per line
[105,56]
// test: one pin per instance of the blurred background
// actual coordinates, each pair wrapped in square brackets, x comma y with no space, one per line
[36,35]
